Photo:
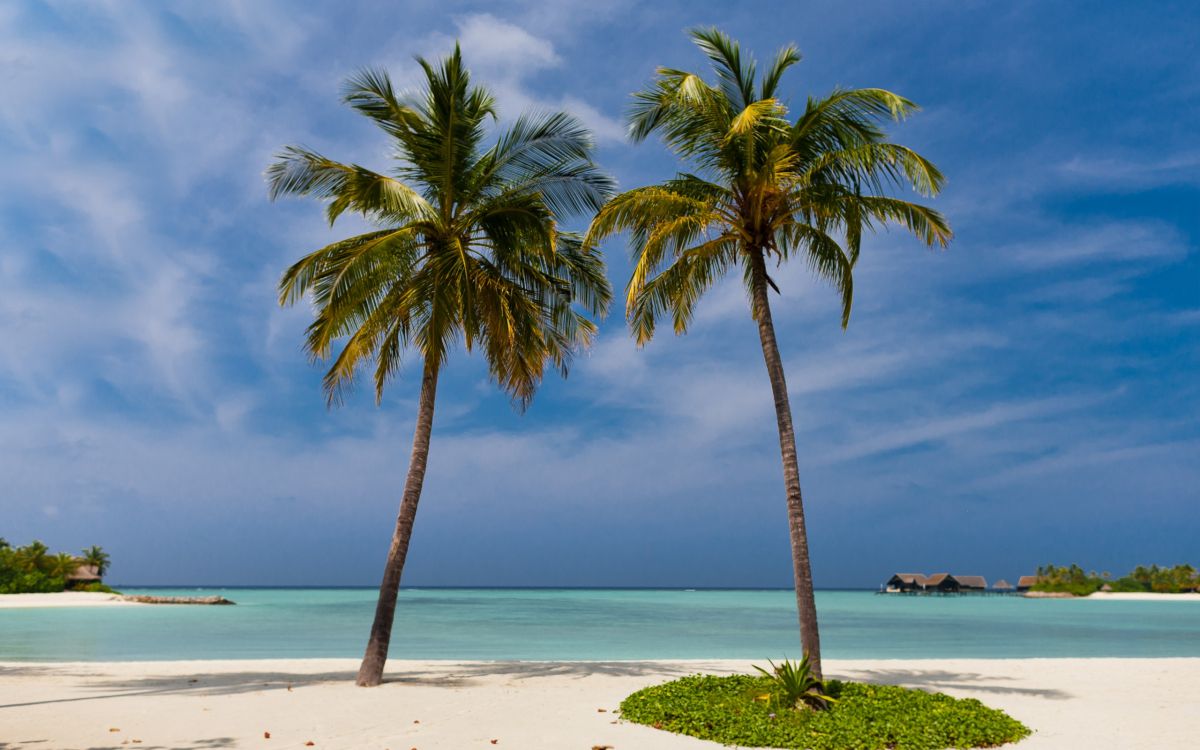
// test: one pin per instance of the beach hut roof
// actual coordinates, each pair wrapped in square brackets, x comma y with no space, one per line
[972,582]
[937,578]
[1024,581]
[917,578]
[85,573]
[1002,584]
[1106,587]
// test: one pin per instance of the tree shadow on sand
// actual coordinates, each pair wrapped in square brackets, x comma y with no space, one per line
[450,675]
[941,679]
[578,669]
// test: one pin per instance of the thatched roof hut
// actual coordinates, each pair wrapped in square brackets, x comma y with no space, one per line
[1024,583]
[942,582]
[906,582]
[1002,585]
[83,575]
[972,583]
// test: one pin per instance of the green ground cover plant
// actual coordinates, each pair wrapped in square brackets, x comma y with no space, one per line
[726,709]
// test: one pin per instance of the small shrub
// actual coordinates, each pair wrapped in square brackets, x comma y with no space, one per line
[865,717]
[97,587]
[795,686]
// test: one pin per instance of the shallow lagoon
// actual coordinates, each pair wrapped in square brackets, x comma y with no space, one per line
[568,624]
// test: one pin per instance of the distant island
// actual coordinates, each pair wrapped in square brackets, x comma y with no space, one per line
[1180,579]
[33,569]
[1052,581]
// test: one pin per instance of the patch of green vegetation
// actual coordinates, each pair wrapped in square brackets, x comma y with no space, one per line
[98,588]
[865,717]
[1073,580]
[33,570]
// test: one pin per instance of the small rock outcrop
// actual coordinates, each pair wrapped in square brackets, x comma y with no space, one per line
[177,599]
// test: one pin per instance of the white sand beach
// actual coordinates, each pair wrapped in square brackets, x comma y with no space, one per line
[1120,704]
[1140,597]
[64,599]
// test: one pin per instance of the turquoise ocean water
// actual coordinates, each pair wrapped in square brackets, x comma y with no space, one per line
[598,624]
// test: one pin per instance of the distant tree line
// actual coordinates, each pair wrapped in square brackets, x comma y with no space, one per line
[1073,580]
[33,569]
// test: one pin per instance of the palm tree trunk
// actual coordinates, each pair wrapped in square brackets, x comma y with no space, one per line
[370,673]
[806,607]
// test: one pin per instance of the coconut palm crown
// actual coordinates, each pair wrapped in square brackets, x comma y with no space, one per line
[467,249]
[62,564]
[96,557]
[767,186]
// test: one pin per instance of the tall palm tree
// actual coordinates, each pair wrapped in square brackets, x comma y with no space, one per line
[96,557]
[468,249]
[62,565]
[33,556]
[764,188]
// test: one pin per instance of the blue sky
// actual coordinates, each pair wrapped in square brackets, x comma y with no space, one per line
[1027,396]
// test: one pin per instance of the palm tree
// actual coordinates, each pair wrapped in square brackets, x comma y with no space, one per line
[97,558]
[33,556]
[62,565]
[763,188]
[468,249]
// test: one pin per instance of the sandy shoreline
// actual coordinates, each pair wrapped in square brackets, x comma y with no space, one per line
[1140,597]
[1070,703]
[64,599]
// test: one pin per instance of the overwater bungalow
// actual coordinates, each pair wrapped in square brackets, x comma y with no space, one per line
[1002,585]
[940,583]
[971,583]
[902,583]
[1024,583]
[943,583]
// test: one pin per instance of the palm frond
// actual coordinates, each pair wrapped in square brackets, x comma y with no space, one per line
[878,164]
[753,117]
[299,171]
[825,258]
[735,74]
[784,59]
[925,223]
[678,288]
[370,92]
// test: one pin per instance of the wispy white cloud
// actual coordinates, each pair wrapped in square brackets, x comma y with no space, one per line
[1114,242]
[1132,171]
[932,429]
[507,56]
[1112,455]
